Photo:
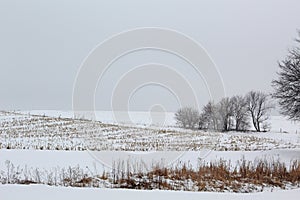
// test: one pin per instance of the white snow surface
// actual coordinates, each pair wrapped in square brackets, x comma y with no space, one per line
[103,159]
[32,192]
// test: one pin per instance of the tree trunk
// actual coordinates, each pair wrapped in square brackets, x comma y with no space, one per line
[254,123]
[237,124]
[258,126]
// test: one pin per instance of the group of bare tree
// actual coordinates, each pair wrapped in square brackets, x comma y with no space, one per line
[239,112]
[235,113]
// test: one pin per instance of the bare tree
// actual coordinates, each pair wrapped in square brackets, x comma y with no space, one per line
[287,86]
[225,113]
[240,112]
[208,118]
[259,107]
[187,117]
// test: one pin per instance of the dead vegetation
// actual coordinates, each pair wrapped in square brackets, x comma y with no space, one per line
[219,176]
[21,131]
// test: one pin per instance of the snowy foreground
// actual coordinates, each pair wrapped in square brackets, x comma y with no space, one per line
[48,142]
[38,192]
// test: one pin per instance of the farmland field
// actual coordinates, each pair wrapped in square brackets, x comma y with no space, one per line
[50,147]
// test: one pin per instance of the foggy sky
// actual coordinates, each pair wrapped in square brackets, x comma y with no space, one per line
[43,43]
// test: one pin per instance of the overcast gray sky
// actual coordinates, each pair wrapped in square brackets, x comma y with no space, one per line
[43,43]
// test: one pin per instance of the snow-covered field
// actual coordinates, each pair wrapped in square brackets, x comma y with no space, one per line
[24,131]
[38,192]
[53,140]
[278,123]
[104,159]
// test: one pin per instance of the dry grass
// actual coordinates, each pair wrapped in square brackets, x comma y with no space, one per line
[218,176]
